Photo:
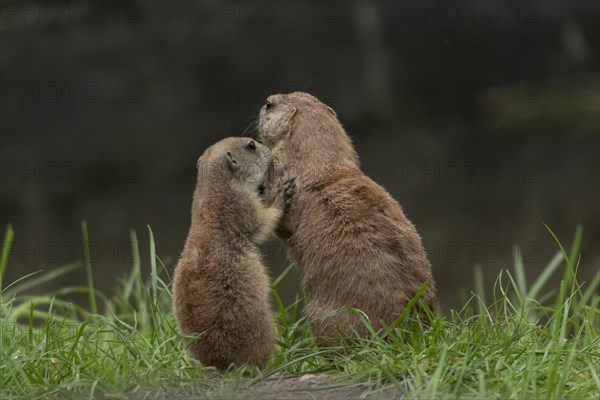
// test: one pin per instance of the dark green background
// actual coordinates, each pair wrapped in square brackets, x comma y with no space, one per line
[481,118]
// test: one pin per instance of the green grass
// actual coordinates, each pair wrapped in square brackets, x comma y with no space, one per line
[518,341]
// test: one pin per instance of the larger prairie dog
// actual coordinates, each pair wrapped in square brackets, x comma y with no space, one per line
[353,243]
[220,290]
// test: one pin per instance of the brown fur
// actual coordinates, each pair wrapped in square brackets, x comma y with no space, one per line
[349,236]
[220,289]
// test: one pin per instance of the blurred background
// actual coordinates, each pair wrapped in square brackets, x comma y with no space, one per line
[481,118]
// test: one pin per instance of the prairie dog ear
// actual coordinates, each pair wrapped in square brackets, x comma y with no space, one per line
[292,113]
[232,162]
[331,111]
[198,162]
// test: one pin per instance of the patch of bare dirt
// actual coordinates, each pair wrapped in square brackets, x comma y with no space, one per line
[315,387]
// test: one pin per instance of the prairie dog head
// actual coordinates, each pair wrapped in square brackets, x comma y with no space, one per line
[304,125]
[234,160]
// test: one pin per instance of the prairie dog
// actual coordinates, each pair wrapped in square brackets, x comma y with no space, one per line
[221,289]
[355,246]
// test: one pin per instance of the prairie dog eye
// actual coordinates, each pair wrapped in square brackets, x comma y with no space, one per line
[251,145]
[268,105]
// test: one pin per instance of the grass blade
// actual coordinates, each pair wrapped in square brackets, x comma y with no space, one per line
[520,271]
[545,275]
[560,246]
[153,265]
[88,268]
[282,276]
[15,288]
[569,275]
[135,254]
[6,246]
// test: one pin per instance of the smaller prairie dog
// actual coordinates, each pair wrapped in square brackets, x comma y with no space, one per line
[221,289]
